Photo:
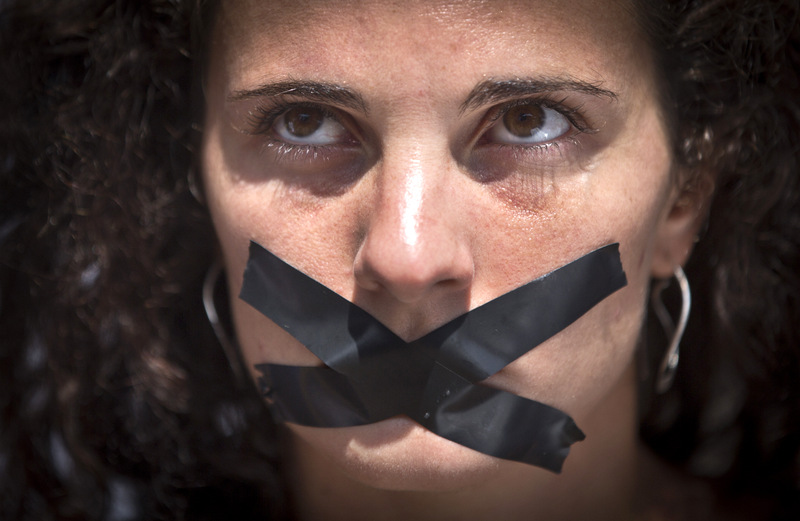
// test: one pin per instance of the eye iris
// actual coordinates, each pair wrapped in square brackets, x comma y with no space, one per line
[303,121]
[523,120]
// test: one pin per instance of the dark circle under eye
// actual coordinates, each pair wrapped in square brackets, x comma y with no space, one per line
[523,120]
[303,121]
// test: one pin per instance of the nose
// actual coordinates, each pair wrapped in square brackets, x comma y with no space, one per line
[416,244]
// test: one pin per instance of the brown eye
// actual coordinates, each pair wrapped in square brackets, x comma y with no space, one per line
[523,120]
[528,124]
[310,125]
[303,121]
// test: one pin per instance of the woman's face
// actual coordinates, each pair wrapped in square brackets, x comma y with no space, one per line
[421,158]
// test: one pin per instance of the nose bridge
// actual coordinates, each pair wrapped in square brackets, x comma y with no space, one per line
[414,243]
[404,188]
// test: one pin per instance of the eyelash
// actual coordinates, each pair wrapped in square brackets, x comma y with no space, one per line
[573,115]
[262,119]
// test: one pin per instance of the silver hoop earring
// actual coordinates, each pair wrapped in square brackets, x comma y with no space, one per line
[194,187]
[209,283]
[666,371]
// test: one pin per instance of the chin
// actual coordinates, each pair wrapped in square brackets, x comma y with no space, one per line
[395,454]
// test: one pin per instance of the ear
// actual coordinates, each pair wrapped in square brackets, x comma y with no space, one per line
[679,227]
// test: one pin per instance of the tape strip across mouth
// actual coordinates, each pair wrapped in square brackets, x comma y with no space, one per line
[371,374]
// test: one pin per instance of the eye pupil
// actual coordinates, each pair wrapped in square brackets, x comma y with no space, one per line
[303,121]
[523,120]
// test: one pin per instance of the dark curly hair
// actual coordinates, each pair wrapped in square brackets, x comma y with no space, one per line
[732,90]
[111,393]
[116,401]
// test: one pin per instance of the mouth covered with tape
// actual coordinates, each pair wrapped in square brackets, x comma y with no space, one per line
[371,374]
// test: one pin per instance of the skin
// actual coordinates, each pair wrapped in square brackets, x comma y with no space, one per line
[417,212]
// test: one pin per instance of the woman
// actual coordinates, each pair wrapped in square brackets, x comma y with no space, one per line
[420,161]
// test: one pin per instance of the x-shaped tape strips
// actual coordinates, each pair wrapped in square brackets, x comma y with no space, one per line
[371,374]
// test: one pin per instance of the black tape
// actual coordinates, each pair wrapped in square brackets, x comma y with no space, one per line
[371,374]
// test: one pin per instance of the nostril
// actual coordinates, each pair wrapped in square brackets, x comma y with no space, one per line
[410,273]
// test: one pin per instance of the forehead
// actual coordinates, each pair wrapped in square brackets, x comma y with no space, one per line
[423,42]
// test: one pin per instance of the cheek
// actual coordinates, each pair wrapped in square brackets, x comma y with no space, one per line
[261,340]
[245,213]
[576,369]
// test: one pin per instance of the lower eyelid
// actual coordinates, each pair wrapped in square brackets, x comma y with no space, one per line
[290,152]
[324,170]
[492,161]
[532,152]
[570,136]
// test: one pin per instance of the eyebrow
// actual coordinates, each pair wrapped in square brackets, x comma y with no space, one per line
[486,92]
[493,91]
[309,90]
